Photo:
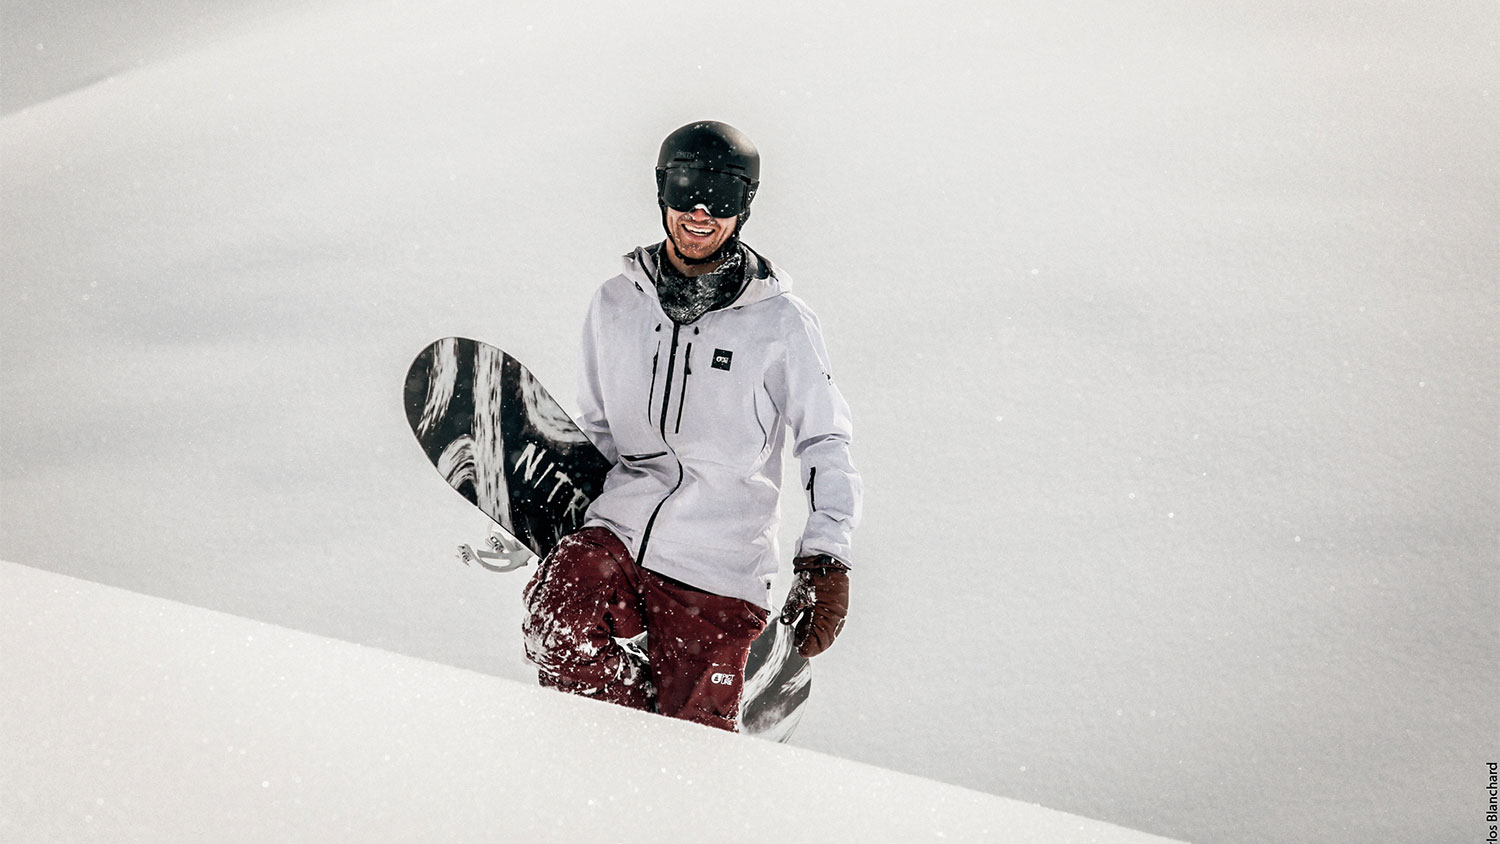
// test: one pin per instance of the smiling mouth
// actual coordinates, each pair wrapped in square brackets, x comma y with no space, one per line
[698,231]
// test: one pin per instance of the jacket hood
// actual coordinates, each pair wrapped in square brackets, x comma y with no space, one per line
[767,281]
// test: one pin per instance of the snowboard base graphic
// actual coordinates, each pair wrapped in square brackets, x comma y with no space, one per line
[502,442]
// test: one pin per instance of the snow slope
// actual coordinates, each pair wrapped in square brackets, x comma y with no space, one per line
[1169,329]
[131,718]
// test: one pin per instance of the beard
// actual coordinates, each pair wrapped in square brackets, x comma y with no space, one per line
[695,251]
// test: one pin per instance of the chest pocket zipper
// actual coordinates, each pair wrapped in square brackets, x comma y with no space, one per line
[687,370]
[651,394]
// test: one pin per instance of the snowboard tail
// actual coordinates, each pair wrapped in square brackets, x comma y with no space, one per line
[503,442]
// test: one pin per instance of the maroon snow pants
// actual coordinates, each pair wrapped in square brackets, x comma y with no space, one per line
[589,595]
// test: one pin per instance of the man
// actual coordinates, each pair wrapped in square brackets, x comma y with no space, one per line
[696,363]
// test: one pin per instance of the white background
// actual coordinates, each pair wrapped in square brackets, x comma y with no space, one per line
[1169,328]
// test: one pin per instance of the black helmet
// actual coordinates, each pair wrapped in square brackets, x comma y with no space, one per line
[711,145]
[708,163]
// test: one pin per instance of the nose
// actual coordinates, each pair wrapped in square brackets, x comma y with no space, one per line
[700,213]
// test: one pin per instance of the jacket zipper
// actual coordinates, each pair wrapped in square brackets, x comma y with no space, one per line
[666,393]
[812,494]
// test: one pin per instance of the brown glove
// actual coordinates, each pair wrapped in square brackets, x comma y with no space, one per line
[817,603]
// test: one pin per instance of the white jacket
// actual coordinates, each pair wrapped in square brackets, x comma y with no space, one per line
[695,417]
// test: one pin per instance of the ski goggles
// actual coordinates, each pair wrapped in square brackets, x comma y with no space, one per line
[724,195]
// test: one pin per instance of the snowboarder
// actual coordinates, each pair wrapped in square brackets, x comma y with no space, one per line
[697,360]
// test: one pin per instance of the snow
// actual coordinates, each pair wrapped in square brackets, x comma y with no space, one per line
[1169,330]
[132,718]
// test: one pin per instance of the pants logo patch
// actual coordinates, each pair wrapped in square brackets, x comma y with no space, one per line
[722,359]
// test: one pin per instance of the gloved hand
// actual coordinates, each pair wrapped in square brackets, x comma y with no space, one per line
[817,603]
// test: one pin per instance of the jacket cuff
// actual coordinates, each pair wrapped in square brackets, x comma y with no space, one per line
[819,561]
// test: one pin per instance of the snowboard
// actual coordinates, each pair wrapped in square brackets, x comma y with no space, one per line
[501,441]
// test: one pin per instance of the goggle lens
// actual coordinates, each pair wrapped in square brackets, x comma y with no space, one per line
[684,189]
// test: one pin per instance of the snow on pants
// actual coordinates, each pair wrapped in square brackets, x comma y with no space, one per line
[589,595]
